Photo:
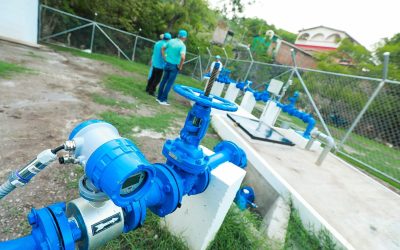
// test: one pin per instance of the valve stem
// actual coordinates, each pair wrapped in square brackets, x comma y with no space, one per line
[212,79]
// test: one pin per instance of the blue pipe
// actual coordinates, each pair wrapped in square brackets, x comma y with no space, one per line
[227,151]
[187,171]
[27,243]
[290,109]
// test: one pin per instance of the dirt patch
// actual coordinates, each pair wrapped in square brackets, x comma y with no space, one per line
[37,111]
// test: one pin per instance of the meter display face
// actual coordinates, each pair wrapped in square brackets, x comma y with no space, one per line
[133,183]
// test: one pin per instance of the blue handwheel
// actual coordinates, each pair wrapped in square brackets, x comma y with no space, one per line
[198,96]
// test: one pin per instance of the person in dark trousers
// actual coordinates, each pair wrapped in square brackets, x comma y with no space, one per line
[174,53]
[158,64]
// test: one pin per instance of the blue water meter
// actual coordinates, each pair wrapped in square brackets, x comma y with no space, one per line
[113,164]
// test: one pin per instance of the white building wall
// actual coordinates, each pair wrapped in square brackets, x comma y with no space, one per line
[321,36]
[19,20]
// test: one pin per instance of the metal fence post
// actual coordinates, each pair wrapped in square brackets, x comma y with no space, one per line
[308,93]
[39,34]
[197,61]
[226,55]
[251,64]
[92,38]
[209,58]
[370,100]
[287,84]
[201,69]
[134,48]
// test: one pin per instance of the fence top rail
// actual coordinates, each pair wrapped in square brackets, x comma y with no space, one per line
[239,60]
[65,13]
[116,29]
[274,65]
[348,75]
[229,59]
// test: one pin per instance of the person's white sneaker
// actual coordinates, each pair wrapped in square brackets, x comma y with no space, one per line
[163,103]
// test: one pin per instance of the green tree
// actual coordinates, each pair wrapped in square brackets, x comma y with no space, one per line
[391,45]
[358,58]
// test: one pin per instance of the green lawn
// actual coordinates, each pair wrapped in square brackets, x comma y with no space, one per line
[9,69]
[298,237]
[373,153]
[240,230]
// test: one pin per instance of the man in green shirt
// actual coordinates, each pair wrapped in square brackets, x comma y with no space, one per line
[158,64]
[174,53]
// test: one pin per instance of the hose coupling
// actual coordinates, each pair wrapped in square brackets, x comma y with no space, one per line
[69,145]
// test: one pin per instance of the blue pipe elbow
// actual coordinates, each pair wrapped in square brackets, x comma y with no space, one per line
[227,151]
[311,124]
[291,110]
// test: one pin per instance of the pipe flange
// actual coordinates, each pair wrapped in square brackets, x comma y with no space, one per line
[89,192]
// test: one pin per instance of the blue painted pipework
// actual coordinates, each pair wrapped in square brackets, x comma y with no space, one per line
[290,108]
[263,96]
[245,197]
[47,223]
[244,86]
[223,77]
[110,159]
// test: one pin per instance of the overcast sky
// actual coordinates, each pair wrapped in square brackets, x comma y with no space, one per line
[366,21]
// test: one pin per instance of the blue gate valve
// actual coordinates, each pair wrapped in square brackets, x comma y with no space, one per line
[119,183]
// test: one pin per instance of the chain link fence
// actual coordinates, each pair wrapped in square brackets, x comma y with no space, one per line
[362,114]
[366,128]
[64,29]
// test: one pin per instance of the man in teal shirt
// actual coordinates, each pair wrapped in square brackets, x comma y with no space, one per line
[174,53]
[158,64]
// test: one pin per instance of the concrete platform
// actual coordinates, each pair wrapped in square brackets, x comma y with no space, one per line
[359,212]
[199,218]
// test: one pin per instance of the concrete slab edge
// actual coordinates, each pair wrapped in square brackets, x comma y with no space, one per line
[310,217]
[7,39]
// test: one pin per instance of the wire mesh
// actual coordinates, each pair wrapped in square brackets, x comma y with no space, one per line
[263,73]
[375,141]
[339,99]
[72,32]
[143,50]
[54,22]
[191,65]
[376,138]
[122,43]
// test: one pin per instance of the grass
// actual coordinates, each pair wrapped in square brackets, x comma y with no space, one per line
[371,152]
[298,237]
[159,123]
[211,139]
[152,235]
[112,102]
[239,229]
[125,65]
[9,69]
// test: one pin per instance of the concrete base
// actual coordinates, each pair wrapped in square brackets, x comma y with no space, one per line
[272,208]
[232,92]
[248,102]
[201,216]
[217,88]
[357,211]
[270,113]
[276,221]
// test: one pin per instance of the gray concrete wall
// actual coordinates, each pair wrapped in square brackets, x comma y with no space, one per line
[265,193]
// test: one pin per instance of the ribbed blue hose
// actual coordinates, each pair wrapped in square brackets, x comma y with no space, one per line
[6,188]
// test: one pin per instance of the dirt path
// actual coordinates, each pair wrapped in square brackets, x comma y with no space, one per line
[38,111]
